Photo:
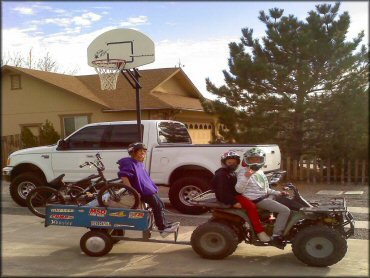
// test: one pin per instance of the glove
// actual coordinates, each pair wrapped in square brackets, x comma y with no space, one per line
[248,172]
[284,193]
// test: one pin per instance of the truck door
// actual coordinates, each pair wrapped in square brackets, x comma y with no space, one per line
[79,147]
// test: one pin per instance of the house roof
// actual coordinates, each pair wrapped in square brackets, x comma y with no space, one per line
[124,97]
[66,82]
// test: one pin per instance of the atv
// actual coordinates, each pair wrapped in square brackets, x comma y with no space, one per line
[316,231]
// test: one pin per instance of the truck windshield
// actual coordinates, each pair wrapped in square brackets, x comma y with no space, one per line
[171,132]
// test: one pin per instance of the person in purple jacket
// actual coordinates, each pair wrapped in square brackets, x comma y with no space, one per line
[133,173]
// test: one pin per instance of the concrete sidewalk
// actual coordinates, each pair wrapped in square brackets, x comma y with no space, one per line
[30,249]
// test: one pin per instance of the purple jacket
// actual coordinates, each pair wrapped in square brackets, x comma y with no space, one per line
[137,175]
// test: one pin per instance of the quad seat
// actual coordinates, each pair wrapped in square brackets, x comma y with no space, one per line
[208,199]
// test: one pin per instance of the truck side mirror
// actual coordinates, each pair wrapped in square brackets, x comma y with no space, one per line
[61,144]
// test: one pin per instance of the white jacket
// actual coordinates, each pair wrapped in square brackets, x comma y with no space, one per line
[255,186]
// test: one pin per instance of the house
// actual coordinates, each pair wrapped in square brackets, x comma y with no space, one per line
[30,97]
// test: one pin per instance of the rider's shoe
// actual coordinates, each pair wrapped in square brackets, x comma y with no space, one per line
[171,228]
[277,241]
[262,236]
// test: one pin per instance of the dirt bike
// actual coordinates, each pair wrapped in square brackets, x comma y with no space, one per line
[81,192]
[316,231]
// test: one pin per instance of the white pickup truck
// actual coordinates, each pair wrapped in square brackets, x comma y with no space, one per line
[172,159]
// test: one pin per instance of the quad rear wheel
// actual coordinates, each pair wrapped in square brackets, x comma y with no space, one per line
[214,240]
[319,246]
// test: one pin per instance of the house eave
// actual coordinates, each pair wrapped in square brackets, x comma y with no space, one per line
[143,109]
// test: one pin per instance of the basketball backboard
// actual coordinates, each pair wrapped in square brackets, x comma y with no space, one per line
[130,45]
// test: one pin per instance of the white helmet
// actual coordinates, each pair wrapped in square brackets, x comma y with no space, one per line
[259,158]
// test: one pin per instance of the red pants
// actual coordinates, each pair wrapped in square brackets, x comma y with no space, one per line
[251,210]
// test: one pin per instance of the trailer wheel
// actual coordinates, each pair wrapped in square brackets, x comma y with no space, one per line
[319,246]
[214,240]
[185,188]
[96,244]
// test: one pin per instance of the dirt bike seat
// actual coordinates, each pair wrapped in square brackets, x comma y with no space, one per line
[57,181]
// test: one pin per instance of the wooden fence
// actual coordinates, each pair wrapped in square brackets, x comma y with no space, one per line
[9,144]
[318,171]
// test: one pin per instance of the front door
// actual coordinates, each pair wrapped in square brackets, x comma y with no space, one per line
[80,147]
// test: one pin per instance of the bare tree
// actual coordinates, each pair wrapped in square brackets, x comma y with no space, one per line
[14,59]
[46,63]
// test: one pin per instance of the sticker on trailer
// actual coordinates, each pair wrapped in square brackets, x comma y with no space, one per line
[98,212]
[100,223]
[123,225]
[118,214]
[61,216]
[61,222]
[62,210]
[136,215]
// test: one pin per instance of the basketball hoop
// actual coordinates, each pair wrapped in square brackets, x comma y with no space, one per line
[108,71]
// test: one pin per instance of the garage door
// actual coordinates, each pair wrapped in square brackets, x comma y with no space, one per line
[200,133]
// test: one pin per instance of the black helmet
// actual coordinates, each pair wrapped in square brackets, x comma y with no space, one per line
[136,146]
[229,155]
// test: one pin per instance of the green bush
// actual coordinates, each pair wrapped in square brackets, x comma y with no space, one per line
[28,139]
[48,135]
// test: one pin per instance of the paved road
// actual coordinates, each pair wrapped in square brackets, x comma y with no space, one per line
[30,249]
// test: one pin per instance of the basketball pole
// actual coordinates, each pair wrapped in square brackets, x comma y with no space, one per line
[136,85]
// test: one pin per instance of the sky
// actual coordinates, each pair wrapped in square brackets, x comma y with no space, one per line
[192,34]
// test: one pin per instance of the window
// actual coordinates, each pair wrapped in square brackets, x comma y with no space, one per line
[173,133]
[72,123]
[87,138]
[15,82]
[120,136]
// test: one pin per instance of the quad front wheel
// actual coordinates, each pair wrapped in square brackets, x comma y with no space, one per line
[319,246]
[214,240]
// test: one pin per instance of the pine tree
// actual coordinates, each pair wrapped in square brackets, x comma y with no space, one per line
[273,88]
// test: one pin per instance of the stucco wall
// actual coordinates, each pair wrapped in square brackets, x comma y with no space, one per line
[172,86]
[38,101]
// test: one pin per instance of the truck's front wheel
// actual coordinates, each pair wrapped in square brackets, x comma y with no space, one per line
[182,190]
[22,185]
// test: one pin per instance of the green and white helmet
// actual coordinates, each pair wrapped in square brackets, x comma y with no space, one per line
[254,157]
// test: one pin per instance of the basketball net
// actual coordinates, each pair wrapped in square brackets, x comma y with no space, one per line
[108,71]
